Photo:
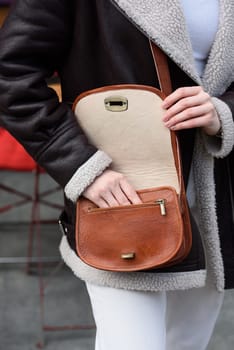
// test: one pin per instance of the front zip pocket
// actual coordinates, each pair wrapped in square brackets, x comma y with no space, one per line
[158,202]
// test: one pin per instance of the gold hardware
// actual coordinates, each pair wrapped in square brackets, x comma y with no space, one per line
[162,205]
[128,256]
[116,103]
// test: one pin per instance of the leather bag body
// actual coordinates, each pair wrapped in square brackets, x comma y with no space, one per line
[125,121]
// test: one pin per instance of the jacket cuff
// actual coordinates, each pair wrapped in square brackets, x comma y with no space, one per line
[220,147]
[86,174]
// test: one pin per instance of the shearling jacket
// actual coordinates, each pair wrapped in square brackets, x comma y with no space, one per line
[98,43]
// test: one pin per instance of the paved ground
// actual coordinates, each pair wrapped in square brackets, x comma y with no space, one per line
[66,300]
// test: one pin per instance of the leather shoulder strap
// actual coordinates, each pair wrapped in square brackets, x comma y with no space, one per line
[162,69]
[161,65]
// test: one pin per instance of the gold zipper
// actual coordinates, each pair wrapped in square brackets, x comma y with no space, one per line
[160,202]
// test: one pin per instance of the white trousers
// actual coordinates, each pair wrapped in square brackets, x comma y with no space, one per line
[133,320]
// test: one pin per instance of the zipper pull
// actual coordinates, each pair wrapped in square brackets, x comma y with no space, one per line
[161,203]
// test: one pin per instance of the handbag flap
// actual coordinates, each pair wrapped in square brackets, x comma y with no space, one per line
[125,121]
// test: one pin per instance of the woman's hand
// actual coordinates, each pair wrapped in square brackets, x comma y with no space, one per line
[191,107]
[111,189]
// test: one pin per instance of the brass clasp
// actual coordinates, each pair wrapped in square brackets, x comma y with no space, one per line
[128,256]
[116,103]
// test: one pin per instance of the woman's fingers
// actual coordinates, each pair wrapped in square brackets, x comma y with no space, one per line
[183,104]
[129,191]
[189,115]
[111,189]
[190,107]
[110,199]
[101,203]
[180,94]
[198,122]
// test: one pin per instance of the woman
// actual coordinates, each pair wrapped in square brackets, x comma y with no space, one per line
[97,43]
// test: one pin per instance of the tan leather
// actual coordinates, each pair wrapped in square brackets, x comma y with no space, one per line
[162,69]
[104,235]
[57,88]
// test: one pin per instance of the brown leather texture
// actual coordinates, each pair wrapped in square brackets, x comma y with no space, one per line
[162,69]
[118,87]
[133,237]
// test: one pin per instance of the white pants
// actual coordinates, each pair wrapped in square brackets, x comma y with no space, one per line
[133,320]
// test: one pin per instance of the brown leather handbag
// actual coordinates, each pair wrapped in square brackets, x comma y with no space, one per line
[125,121]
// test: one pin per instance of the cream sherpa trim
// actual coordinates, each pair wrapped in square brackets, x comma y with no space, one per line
[219,70]
[132,281]
[221,147]
[86,174]
[205,197]
[164,23]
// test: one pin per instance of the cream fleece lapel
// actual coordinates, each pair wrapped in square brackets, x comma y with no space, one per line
[219,71]
[164,23]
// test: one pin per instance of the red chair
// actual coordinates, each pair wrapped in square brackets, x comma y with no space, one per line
[13,157]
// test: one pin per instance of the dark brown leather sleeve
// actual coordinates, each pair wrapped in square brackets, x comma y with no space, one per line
[34,42]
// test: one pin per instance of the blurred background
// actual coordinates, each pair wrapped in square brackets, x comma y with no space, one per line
[42,305]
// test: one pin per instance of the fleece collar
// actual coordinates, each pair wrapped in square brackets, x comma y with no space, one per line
[164,23]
